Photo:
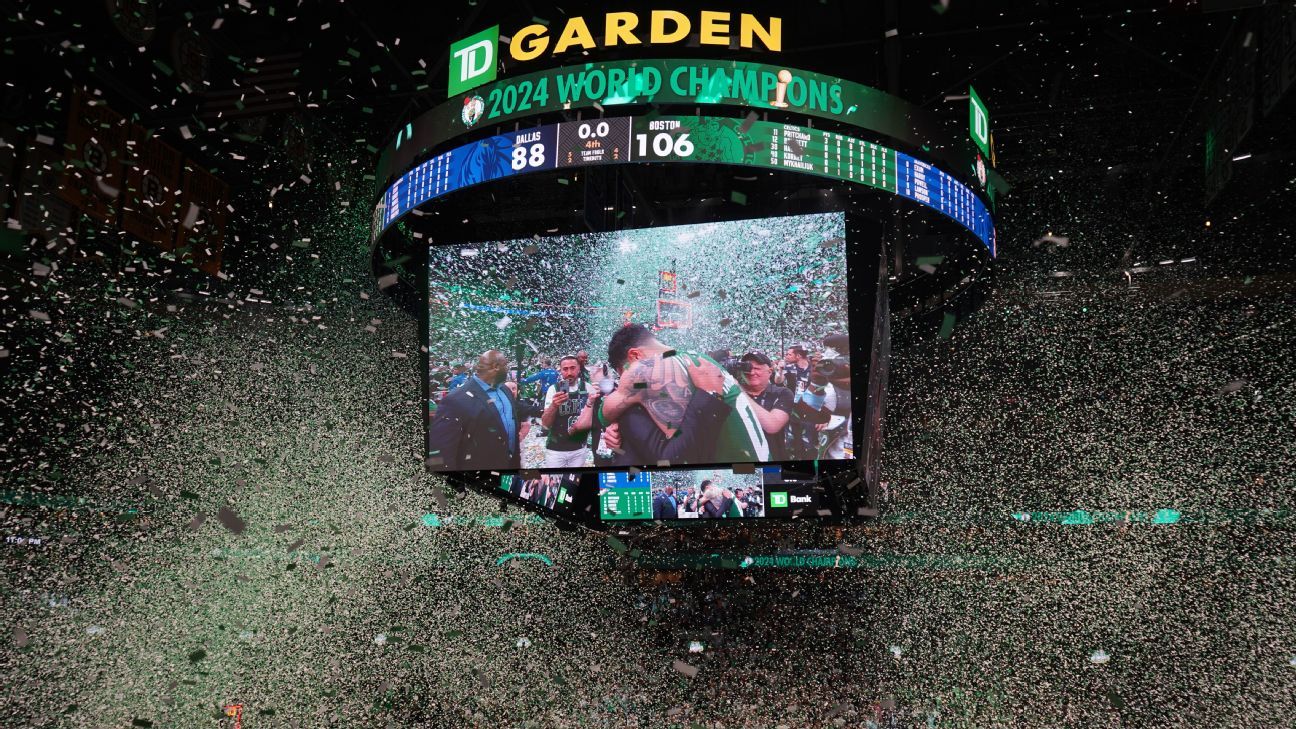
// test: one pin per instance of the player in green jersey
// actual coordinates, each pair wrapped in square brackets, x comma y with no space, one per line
[662,380]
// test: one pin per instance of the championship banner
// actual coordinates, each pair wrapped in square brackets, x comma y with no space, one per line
[674,314]
[96,144]
[203,216]
[150,203]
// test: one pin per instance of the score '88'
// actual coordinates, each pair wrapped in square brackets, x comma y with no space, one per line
[522,160]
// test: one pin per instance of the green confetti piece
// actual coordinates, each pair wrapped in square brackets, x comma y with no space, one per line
[947,326]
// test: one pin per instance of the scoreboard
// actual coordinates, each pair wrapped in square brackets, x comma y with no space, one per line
[623,496]
[693,82]
[717,140]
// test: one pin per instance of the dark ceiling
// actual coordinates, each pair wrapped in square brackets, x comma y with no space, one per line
[1078,90]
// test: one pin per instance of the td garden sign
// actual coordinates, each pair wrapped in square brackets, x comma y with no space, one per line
[473,60]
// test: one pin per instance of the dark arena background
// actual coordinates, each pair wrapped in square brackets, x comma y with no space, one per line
[249,246]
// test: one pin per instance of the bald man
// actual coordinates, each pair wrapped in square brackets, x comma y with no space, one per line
[476,426]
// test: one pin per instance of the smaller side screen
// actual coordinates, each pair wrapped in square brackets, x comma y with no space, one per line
[706,494]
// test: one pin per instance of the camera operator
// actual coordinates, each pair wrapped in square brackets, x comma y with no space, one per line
[773,402]
[837,351]
[567,445]
[826,401]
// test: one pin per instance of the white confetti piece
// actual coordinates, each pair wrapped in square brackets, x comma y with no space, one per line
[191,216]
[686,669]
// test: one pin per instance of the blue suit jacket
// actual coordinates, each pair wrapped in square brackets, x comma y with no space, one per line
[467,434]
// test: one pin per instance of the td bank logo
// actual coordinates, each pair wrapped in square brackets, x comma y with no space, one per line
[778,499]
[472,60]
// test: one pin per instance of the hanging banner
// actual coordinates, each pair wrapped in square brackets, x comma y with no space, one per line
[674,314]
[151,200]
[978,122]
[96,144]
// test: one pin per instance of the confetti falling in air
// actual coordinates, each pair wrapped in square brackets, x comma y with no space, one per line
[213,489]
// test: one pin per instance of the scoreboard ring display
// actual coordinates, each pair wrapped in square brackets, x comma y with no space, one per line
[454,180]
[682,82]
[686,139]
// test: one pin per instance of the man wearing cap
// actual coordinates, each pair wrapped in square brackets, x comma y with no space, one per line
[773,402]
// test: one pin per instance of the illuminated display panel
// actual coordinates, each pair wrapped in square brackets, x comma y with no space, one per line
[693,494]
[744,142]
[670,81]
[705,495]
[655,389]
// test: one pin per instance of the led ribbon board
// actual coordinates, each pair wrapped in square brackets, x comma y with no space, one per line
[716,140]
[676,81]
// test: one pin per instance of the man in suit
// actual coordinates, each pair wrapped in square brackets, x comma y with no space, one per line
[664,506]
[476,425]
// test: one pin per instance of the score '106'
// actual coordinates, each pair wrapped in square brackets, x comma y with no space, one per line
[664,144]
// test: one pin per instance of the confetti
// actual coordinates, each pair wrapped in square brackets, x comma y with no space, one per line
[1049,458]
[230,520]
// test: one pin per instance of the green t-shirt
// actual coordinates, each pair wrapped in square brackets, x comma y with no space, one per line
[741,438]
[562,435]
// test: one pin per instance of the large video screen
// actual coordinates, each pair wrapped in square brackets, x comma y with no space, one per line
[707,344]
